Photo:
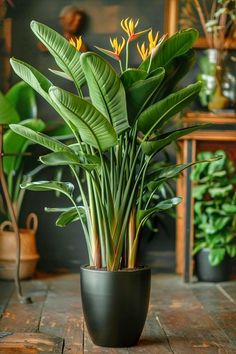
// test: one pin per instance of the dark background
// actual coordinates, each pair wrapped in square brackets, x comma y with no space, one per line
[64,248]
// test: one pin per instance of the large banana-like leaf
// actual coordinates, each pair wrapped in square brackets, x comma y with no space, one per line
[157,114]
[143,215]
[22,98]
[33,77]
[66,55]
[65,188]
[65,158]
[14,143]
[39,138]
[175,71]
[130,76]
[139,94]
[69,216]
[92,126]
[8,114]
[164,173]
[171,48]
[152,147]
[106,90]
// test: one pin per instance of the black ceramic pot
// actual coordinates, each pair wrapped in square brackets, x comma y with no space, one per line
[115,305]
[206,272]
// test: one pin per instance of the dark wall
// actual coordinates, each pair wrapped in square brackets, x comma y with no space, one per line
[65,248]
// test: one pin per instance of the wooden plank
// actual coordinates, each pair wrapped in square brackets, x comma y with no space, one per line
[25,317]
[219,306]
[31,343]
[91,348]
[6,291]
[153,339]
[230,290]
[62,312]
[186,323]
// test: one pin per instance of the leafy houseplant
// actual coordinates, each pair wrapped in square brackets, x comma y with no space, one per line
[18,105]
[118,131]
[214,212]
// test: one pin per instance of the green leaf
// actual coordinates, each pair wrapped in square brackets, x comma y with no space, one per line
[175,71]
[69,216]
[92,126]
[16,144]
[199,191]
[152,147]
[221,191]
[22,98]
[229,208]
[156,115]
[66,55]
[32,77]
[216,256]
[65,158]
[8,114]
[130,76]
[39,138]
[176,45]
[143,215]
[139,94]
[61,74]
[65,188]
[106,90]
[231,250]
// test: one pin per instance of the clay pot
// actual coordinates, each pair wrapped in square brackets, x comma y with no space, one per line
[28,255]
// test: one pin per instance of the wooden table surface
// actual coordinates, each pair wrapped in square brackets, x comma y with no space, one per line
[196,318]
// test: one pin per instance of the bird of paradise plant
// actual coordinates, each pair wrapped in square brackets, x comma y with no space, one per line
[118,132]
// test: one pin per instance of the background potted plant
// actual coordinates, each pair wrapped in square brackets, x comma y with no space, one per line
[18,105]
[118,133]
[214,216]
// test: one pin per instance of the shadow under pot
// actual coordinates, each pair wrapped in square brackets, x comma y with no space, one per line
[115,304]
[206,272]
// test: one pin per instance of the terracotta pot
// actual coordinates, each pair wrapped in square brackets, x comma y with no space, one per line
[28,255]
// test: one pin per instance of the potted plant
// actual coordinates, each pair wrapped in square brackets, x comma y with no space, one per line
[214,216]
[18,105]
[118,131]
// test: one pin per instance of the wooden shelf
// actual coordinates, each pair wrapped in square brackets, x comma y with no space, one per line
[189,146]
[206,117]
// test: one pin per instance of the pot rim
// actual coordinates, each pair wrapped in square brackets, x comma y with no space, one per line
[120,271]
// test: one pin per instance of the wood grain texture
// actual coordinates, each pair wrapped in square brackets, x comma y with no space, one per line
[25,317]
[182,319]
[31,343]
[62,313]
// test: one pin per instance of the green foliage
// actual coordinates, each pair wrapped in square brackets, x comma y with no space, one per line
[215,206]
[117,133]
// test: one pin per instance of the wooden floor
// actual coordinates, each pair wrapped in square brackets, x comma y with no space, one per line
[196,318]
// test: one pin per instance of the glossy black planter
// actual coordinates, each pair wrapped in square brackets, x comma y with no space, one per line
[115,305]
[206,272]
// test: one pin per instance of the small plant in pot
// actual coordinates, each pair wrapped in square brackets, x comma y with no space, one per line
[118,132]
[214,216]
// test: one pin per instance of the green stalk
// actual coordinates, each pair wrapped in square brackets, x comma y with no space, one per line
[127,55]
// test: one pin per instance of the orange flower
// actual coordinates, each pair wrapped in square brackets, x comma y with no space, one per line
[143,51]
[76,42]
[152,41]
[129,26]
[117,48]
